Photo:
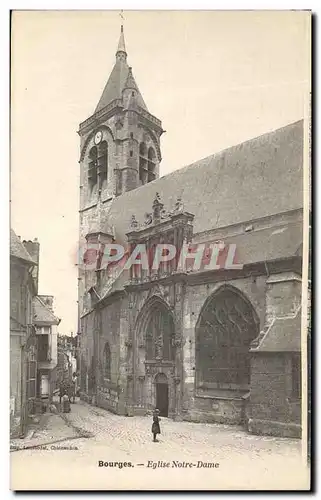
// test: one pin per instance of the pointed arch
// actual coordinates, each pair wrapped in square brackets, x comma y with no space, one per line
[108,135]
[154,139]
[155,329]
[226,326]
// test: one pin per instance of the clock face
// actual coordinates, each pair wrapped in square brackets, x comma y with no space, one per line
[98,137]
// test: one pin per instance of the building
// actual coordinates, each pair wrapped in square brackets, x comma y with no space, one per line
[219,345]
[67,364]
[33,336]
[46,324]
[23,359]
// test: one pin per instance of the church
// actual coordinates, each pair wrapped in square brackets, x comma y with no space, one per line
[215,345]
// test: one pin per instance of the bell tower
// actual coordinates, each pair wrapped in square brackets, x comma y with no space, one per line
[120,142]
[119,152]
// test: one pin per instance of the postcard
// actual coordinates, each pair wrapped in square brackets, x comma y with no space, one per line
[159,250]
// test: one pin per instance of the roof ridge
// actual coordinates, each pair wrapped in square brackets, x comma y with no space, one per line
[234,146]
[198,163]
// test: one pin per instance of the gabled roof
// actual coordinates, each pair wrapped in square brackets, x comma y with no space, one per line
[18,250]
[255,179]
[42,313]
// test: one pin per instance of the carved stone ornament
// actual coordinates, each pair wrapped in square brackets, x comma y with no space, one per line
[148,219]
[159,346]
[157,208]
[164,214]
[141,377]
[128,342]
[133,222]
[130,376]
[177,342]
[119,124]
[177,380]
[178,207]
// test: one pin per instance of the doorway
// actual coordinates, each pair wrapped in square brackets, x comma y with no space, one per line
[162,394]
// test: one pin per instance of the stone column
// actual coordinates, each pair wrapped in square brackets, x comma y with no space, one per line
[125,370]
[179,342]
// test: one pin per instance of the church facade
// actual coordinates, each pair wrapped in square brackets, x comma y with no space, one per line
[207,344]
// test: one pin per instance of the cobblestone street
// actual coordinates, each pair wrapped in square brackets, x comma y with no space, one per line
[93,435]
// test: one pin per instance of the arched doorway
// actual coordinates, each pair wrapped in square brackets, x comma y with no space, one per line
[225,329]
[161,383]
[156,356]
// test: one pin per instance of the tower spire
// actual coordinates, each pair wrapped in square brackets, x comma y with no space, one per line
[121,50]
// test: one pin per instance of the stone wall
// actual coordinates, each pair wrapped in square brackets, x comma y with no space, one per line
[108,388]
[86,354]
[21,315]
[273,410]
[15,371]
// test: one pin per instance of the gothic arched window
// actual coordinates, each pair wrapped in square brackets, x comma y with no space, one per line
[151,165]
[143,163]
[226,327]
[107,361]
[103,161]
[92,167]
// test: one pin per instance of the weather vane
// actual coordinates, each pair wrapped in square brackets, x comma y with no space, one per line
[121,15]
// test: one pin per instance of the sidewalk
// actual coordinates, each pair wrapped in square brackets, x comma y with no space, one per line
[53,428]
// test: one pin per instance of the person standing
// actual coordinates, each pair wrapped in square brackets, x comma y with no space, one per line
[74,386]
[155,426]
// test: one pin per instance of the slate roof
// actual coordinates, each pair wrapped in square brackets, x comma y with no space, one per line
[258,178]
[268,244]
[42,314]
[18,250]
[120,78]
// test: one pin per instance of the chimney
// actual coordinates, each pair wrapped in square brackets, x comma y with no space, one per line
[48,301]
[33,248]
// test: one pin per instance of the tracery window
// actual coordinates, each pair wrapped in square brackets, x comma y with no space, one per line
[226,327]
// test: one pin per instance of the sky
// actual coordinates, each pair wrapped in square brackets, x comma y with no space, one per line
[214,78]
